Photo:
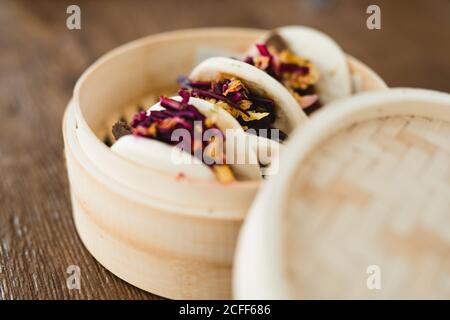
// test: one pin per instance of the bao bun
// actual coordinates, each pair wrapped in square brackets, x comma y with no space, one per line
[163,157]
[335,79]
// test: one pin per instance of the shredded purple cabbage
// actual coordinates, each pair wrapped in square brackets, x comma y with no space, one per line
[262,48]
[160,124]
[213,95]
[185,82]
[278,69]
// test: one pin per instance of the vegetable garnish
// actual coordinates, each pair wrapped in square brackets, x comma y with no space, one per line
[121,128]
[161,124]
[297,74]
[231,94]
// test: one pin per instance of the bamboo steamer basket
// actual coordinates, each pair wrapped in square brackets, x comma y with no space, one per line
[361,207]
[170,236]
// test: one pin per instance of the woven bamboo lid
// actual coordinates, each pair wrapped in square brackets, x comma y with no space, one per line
[361,207]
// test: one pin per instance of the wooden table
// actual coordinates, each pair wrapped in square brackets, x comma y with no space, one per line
[40,60]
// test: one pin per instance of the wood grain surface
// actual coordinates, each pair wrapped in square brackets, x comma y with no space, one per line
[40,60]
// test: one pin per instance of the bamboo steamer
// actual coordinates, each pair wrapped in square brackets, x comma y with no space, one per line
[361,207]
[170,236]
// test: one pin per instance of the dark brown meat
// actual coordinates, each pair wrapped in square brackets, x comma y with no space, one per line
[120,129]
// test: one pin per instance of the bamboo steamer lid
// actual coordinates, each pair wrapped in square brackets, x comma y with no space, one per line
[361,207]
